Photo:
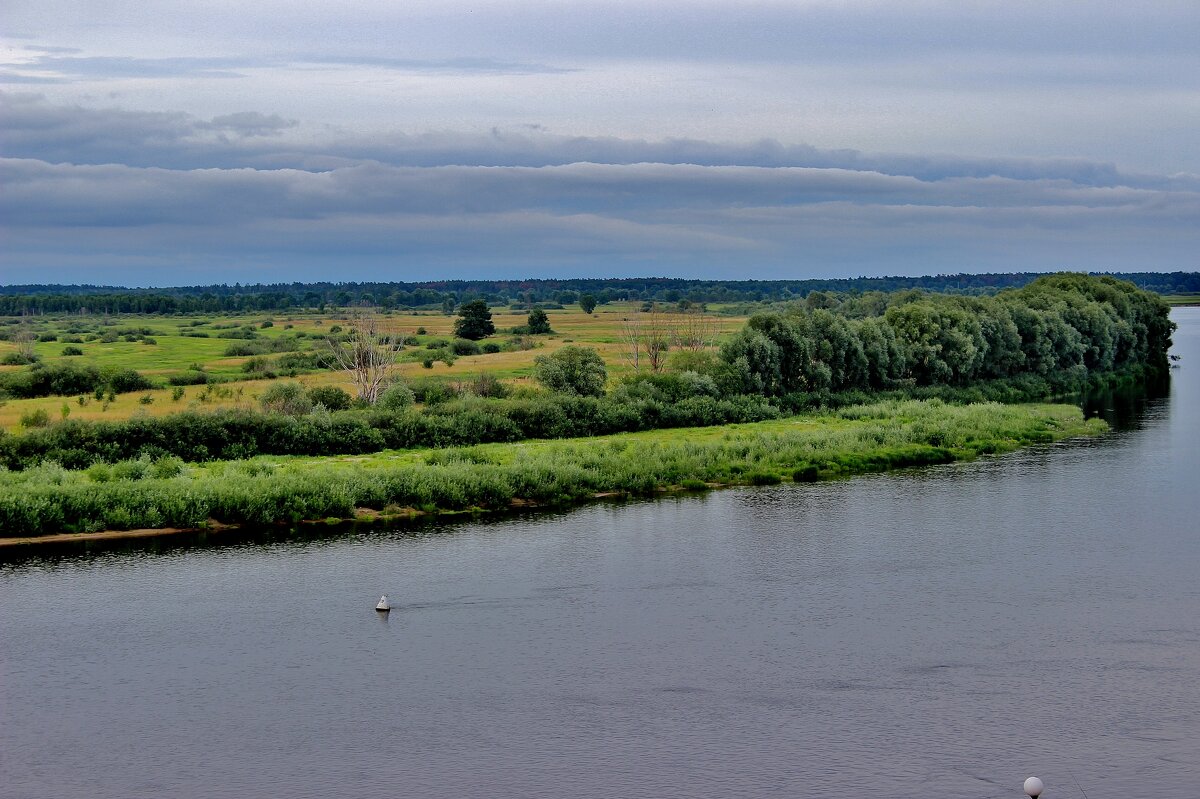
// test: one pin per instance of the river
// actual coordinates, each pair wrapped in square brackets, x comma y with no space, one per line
[936,633]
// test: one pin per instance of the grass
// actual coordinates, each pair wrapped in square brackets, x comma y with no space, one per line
[270,490]
[173,353]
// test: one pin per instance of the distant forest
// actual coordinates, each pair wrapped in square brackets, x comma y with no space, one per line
[26,299]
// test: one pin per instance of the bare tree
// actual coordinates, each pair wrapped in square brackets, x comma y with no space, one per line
[24,338]
[656,338]
[695,331]
[647,336]
[369,353]
[631,340]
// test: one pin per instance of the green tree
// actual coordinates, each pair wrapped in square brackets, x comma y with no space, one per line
[475,321]
[572,370]
[538,322]
[587,303]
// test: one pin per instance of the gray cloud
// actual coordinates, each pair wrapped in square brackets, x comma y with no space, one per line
[439,135]
[594,217]
[54,66]
[37,129]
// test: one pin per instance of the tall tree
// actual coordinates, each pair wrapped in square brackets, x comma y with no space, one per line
[538,322]
[475,321]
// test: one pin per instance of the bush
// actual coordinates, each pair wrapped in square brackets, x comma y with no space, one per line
[188,378]
[71,351]
[806,473]
[763,478]
[332,397]
[69,379]
[37,417]
[462,346]
[396,397]
[287,398]
[485,384]
[491,347]
[572,370]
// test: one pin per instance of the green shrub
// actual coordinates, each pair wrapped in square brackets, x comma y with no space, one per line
[37,417]
[71,351]
[288,398]
[763,478]
[572,370]
[396,397]
[805,473]
[462,346]
[332,397]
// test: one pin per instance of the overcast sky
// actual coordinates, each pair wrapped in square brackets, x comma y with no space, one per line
[190,142]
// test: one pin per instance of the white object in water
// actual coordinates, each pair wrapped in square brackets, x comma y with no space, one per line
[383,606]
[1033,787]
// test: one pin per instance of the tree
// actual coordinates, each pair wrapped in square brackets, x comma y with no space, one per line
[368,356]
[538,322]
[475,321]
[587,303]
[646,336]
[695,331]
[572,370]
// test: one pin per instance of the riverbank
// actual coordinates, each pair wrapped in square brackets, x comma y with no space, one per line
[49,500]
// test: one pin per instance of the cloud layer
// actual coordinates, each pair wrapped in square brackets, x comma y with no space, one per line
[424,139]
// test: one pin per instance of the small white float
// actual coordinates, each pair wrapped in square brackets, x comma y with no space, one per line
[1034,787]
[383,606]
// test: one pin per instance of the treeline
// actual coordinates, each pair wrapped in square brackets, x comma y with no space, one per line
[1059,328]
[36,299]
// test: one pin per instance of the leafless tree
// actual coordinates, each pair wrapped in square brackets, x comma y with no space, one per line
[647,337]
[24,338]
[369,353]
[631,340]
[656,338]
[695,331]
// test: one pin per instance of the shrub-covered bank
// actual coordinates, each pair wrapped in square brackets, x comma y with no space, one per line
[233,434]
[166,493]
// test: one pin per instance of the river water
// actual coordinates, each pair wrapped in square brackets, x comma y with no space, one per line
[937,633]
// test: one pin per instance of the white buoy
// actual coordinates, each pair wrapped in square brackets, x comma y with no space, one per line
[1033,787]
[383,606]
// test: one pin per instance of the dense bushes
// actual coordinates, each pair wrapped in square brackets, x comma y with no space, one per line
[66,379]
[229,434]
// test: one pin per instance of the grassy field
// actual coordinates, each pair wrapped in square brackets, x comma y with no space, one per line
[170,494]
[182,343]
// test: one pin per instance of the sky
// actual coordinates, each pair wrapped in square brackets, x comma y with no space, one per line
[182,142]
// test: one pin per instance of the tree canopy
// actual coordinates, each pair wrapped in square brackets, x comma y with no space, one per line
[475,321]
